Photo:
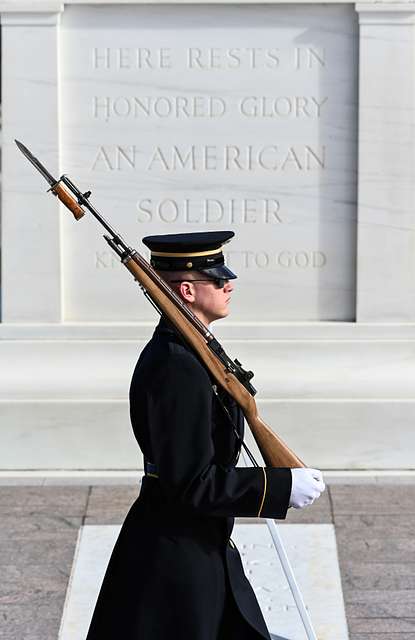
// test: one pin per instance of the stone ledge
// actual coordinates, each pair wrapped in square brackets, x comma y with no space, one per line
[290,370]
[24,5]
[133,478]
[229,331]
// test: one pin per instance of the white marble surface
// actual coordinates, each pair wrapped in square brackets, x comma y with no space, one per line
[386,207]
[67,435]
[156,123]
[32,7]
[311,550]
[30,241]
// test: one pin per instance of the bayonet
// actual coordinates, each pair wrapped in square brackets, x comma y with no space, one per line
[35,162]
[55,185]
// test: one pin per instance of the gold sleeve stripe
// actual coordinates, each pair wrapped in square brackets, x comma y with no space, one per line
[263,495]
[187,254]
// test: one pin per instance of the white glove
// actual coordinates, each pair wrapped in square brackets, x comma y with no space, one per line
[307,485]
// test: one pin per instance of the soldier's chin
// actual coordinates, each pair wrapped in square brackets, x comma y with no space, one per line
[220,314]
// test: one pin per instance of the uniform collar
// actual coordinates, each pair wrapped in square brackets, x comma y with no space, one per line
[165,326]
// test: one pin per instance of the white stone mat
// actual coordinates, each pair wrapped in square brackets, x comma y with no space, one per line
[311,549]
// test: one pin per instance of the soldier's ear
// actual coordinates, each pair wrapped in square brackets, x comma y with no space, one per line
[187,291]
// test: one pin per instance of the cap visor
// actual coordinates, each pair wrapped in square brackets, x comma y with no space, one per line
[221,271]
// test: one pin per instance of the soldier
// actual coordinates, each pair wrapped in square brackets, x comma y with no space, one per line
[174,571]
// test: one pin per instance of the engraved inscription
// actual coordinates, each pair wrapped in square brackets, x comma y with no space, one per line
[309,57]
[119,58]
[240,158]
[281,107]
[218,58]
[228,159]
[210,211]
[175,107]
[245,259]
[208,58]
[198,107]
[194,158]
[306,259]
[116,158]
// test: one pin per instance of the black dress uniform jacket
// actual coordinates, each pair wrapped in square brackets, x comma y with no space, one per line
[174,571]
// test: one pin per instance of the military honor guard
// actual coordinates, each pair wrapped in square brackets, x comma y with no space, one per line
[174,571]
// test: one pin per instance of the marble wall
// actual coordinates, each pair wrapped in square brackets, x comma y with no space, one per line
[248,122]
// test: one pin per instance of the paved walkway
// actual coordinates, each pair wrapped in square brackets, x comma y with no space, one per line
[375,535]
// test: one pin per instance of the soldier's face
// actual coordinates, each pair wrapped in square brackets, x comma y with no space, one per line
[208,301]
[211,300]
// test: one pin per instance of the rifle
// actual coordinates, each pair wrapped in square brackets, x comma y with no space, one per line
[229,373]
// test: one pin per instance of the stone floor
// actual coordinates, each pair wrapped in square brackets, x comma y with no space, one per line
[374,528]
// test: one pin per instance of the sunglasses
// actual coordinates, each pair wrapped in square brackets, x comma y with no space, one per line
[218,282]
